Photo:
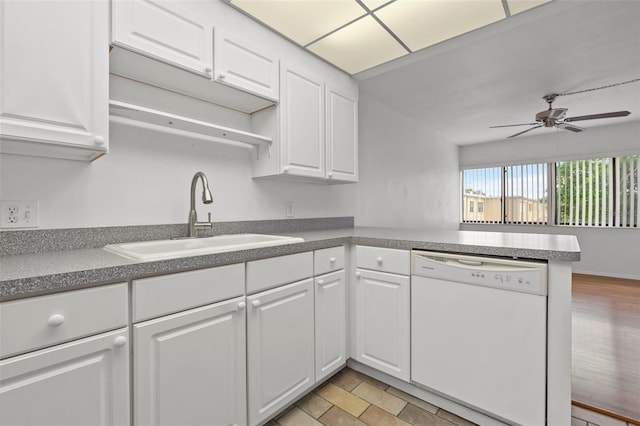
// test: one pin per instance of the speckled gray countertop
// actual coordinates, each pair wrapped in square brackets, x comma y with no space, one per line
[25,275]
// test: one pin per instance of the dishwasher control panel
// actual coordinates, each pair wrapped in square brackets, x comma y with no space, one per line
[513,275]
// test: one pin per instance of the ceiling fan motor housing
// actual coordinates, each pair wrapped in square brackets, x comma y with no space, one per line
[551,114]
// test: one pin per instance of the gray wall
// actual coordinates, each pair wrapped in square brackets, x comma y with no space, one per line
[408,175]
[146,179]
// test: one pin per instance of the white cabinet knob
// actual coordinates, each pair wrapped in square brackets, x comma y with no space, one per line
[320,282]
[242,305]
[330,175]
[55,320]
[222,76]
[99,140]
[332,259]
[286,170]
[208,69]
[358,274]
[379,259]
[119,341]
[255,303]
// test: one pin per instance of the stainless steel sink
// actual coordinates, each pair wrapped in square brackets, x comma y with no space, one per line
[173,249]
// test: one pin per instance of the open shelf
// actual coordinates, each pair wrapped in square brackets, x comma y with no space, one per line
[196,128]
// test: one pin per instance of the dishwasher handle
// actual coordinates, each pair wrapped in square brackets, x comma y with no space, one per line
[470,262]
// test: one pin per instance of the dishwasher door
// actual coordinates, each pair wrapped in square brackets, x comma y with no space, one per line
[484,347]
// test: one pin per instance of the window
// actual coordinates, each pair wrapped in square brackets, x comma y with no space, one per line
[513,194]
[598,192]
[593,192]
[483,186]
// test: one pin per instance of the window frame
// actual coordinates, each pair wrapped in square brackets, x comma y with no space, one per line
[552,218]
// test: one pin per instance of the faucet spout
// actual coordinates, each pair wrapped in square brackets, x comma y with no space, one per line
[207,198]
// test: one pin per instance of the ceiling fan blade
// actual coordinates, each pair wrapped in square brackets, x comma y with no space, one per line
[570,127]
[525,131]
[512,125]
[596,116]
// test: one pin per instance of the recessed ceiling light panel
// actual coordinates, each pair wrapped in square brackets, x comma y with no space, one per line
[359,46]
[517,6]
[303,21]
[424,23]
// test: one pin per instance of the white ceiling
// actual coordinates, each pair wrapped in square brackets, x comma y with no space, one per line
[498,74]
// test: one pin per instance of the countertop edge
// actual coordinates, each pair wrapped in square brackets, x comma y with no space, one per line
[30,286]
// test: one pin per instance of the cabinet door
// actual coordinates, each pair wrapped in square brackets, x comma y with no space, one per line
[189,368]
[280,347]
[165,31]
[302,129]
[246,67]
[330,323]
[382,322]
[54,67]
[342,135]
[85,382]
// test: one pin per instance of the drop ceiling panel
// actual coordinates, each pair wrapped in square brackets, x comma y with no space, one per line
[517,6]
[374,4]
[423,23]
[356,35]
[359,46]
[302,21]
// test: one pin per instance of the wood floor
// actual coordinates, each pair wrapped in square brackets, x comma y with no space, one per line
[606,345]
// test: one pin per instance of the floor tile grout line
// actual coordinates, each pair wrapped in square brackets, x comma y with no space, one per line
[387,387]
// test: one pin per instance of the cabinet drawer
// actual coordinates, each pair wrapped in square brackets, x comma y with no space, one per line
[47,320]
[328,260]
[383,259]
[166,294]
[268,273]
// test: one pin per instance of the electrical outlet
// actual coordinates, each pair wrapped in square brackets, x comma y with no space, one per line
[289,209]
[18,214]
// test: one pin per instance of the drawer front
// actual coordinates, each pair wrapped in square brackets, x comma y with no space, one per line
[166,294]
[48,320]
[383,259]
[328,260]
[268,273]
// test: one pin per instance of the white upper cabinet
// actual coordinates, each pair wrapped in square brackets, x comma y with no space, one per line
[342,134]
[302,123]
[317,126]
[240,64]
[156,41]
[54,78]
[164,30]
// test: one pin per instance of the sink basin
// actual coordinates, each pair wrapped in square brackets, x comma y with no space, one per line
[172,249]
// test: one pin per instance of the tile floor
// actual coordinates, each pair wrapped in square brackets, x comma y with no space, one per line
[352,398]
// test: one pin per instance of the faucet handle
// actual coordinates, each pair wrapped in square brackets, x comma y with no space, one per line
[209,215]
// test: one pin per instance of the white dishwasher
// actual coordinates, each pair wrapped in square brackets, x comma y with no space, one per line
[478,333]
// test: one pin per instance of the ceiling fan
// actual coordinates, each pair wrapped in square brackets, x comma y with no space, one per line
[555,117]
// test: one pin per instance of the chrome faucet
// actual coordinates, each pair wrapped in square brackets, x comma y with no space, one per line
[207,198]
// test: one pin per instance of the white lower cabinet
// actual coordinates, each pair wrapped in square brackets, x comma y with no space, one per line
[330,323]
[189,367]
[382,338]
[280,339]
[85,382]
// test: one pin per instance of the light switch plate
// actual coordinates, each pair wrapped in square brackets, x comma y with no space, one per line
[18,214]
